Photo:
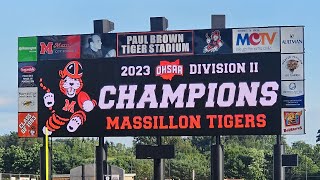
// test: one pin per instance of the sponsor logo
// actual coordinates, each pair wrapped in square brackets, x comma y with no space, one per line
[214,42]
[292,40]
[292,86]
[292,118]
[28,103]
[292,67]
[167,70]
[46,48]
[58,46]
[27,48]
[27,125]
[292,89]
[28,69]
[256,38]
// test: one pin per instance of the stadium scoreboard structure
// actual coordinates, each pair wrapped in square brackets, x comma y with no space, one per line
[240,81]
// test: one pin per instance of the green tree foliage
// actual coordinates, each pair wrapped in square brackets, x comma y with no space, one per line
[248,157]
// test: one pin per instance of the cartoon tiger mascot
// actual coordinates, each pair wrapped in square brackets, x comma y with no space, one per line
[77,102]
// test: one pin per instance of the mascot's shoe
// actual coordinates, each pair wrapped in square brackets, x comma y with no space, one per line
[76,120]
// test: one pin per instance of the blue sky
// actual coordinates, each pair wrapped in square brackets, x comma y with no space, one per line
[35,18]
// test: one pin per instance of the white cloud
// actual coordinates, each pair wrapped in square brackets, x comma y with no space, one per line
[8,122]
[6,101]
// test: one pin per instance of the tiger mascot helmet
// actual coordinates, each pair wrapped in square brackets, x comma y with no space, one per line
[74,71]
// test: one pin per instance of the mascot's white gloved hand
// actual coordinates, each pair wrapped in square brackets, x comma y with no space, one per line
[48,99]
[88,105]
[44,131]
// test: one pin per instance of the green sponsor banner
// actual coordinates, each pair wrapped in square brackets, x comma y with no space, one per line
[27,49]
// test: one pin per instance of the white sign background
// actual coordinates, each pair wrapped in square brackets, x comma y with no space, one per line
[292,40]
[28,99]
[295,63]
[266,47]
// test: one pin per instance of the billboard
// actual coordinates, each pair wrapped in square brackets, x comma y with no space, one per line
[292,94]
[155,43]
[293,121]
[292,40]
[59,47]
[232,81]
[253,40]
[27,49]
[167,95]
[27,124]
[212,41]
[26,74]
[292,67]
[28,99]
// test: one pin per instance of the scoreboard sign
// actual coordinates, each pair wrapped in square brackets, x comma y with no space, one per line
[175,95]
[205,82]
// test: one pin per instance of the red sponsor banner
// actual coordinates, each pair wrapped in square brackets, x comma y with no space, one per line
[59,47]
[27,124]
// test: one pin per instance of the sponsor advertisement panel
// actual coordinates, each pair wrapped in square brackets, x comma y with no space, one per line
[58,47]
[26,74]
[292,94]
[293,121]
[292,40]
[212,41]
[27,49]
[28,99]
[252,40]
[169,95]
[155,43]
[292,66]
[28,124]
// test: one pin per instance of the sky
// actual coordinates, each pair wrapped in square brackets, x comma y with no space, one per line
[59,17]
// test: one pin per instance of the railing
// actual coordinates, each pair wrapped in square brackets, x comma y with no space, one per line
[9,176]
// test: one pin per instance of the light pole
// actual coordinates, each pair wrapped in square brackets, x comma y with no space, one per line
[305,157]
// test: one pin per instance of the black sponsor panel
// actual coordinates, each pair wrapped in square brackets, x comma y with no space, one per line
[26,74]
[170,95]
[213,41]
[95,46]
[155,43]
[58,47]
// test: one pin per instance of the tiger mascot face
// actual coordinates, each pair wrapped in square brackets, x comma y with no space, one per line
[292,65]
[71,82]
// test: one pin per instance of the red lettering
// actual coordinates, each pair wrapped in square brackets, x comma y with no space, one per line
[211,119]
[238,121]
[261,119]
[69,106]
[126,123]
[228,121]
[171,123]
[112,123]
[250,121]
[194,121]
[137,122]
[46,48]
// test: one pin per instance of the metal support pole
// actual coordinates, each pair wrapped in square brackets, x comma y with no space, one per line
[101,26]
[99,159]
[217,160]
[278,170]
[43,160]
[158,24]
[158,164]
[83,172]
[217,154]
